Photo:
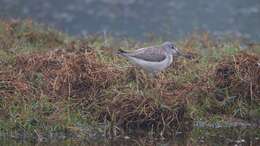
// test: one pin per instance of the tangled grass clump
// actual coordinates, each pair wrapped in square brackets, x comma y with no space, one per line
[240,76]
[232,87]
[147,113]
[62,75]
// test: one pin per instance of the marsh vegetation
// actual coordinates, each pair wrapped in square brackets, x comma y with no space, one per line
[52,83]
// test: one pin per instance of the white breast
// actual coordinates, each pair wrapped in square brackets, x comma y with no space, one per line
[152,67]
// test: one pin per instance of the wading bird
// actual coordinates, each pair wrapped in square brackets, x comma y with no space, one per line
[153,59]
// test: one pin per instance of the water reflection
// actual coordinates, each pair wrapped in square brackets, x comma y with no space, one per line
[198,137]
[173,18]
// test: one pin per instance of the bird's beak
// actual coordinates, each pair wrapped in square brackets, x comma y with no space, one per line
[180,53]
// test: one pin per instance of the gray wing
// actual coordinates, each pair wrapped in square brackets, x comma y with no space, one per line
[153,54]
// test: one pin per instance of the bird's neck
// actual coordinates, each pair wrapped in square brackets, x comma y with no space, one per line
[170,59]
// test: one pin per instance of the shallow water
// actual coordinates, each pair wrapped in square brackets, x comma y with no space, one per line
[136,18]
[198,137]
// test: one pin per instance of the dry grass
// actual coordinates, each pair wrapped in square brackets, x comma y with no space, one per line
[240,75]
[74,75]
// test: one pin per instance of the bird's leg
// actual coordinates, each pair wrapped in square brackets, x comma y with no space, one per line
[156,88]
[155,80]
[151,77]
[137,79]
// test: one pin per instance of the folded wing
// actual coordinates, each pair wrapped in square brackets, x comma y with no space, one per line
[148,54]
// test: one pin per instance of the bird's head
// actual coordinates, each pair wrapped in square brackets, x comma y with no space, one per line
[171,48]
